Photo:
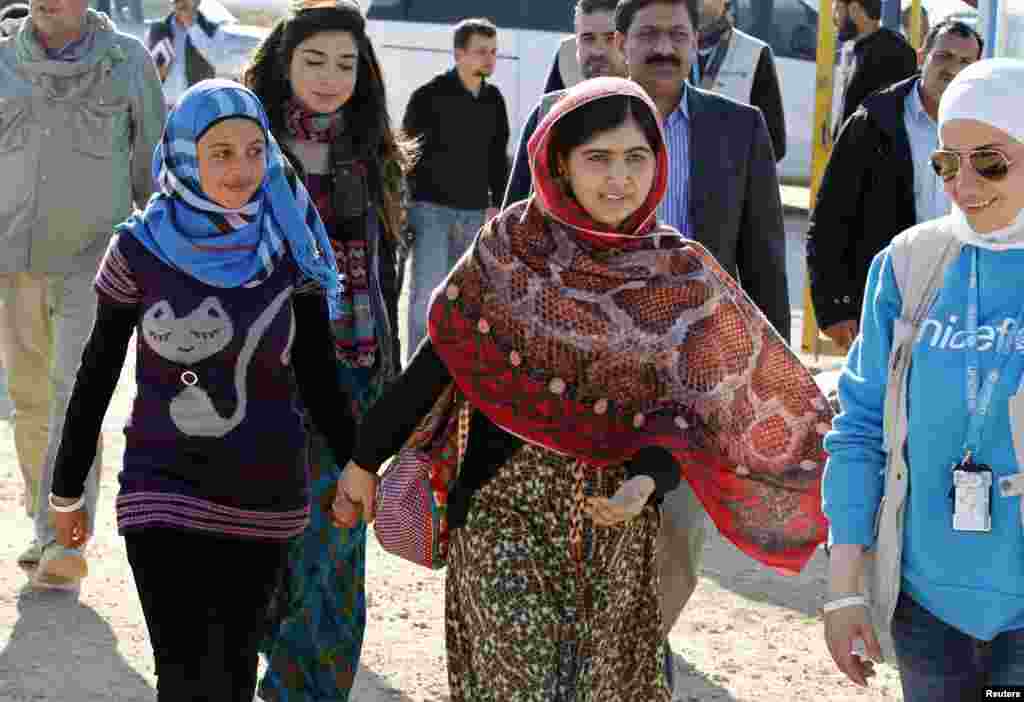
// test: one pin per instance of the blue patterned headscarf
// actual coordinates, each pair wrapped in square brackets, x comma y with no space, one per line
[229,248]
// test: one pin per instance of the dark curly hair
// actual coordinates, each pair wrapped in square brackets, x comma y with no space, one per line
[388,155]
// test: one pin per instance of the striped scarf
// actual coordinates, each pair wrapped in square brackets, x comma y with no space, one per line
[229,248]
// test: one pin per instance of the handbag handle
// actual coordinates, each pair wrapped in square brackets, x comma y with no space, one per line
[465,412]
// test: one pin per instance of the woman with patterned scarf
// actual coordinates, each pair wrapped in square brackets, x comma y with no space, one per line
[319,78]
[222,279]
[602,355]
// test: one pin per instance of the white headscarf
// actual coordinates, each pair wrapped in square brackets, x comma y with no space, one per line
[988,91]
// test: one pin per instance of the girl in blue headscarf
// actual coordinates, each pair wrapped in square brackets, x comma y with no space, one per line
[227,280]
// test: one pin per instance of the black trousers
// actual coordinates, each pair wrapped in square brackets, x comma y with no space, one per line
[205,601]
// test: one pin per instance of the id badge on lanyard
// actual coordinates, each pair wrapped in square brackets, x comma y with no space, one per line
[972,489]
[972,482]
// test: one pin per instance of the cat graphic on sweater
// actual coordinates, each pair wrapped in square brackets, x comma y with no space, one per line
[201,334]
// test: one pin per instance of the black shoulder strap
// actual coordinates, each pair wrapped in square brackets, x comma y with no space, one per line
[351,193]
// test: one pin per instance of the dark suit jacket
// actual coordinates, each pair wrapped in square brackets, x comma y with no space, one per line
[554,81]
[735,206]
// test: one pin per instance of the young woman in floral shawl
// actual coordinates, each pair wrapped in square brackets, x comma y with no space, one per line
[603,356]
[318,75]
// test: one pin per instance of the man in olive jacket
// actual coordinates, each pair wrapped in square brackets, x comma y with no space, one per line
[81,111]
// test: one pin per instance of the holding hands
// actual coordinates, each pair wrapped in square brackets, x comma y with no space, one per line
[356,497]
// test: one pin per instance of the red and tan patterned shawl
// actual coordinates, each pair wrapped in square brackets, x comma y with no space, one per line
[595,345]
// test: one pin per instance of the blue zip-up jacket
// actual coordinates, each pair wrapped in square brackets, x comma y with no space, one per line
[972,581]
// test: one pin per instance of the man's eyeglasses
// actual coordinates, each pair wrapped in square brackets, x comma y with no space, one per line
[988,163]
[677,36]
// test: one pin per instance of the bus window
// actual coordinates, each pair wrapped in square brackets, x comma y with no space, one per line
[536,15]
[1010,35]
[790,27]
[502,12]
[548,16]
[387,9]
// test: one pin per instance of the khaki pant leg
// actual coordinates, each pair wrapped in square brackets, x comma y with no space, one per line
[681,541]
[25,342]
[72,304]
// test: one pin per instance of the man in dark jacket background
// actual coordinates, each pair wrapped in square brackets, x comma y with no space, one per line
[879,56]
[879,180]
[461,122]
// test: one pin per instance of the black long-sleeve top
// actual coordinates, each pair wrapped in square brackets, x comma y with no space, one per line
[394,417]
[463,160]
[884,57]
[103,358]
[767,95]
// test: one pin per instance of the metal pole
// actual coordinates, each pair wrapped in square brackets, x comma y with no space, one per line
[992,29]
[891,14]
[821,145]
[916,10]
[988,17]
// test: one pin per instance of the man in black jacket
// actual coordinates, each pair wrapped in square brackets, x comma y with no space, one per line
[879,58]
[461,122]
[879,181]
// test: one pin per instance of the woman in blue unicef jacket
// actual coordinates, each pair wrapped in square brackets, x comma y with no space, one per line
[957,622]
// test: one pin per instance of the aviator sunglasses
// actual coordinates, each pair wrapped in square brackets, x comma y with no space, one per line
[988,163]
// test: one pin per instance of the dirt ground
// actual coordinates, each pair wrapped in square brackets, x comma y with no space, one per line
[747,634]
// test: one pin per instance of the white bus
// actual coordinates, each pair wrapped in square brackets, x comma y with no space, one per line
[413,39]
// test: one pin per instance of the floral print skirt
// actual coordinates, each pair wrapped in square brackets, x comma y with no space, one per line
[524,622]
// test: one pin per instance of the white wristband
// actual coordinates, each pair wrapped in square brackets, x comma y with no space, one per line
[73,507]
[843,602]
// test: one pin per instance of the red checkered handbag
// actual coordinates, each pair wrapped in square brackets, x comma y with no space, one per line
[412,498]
